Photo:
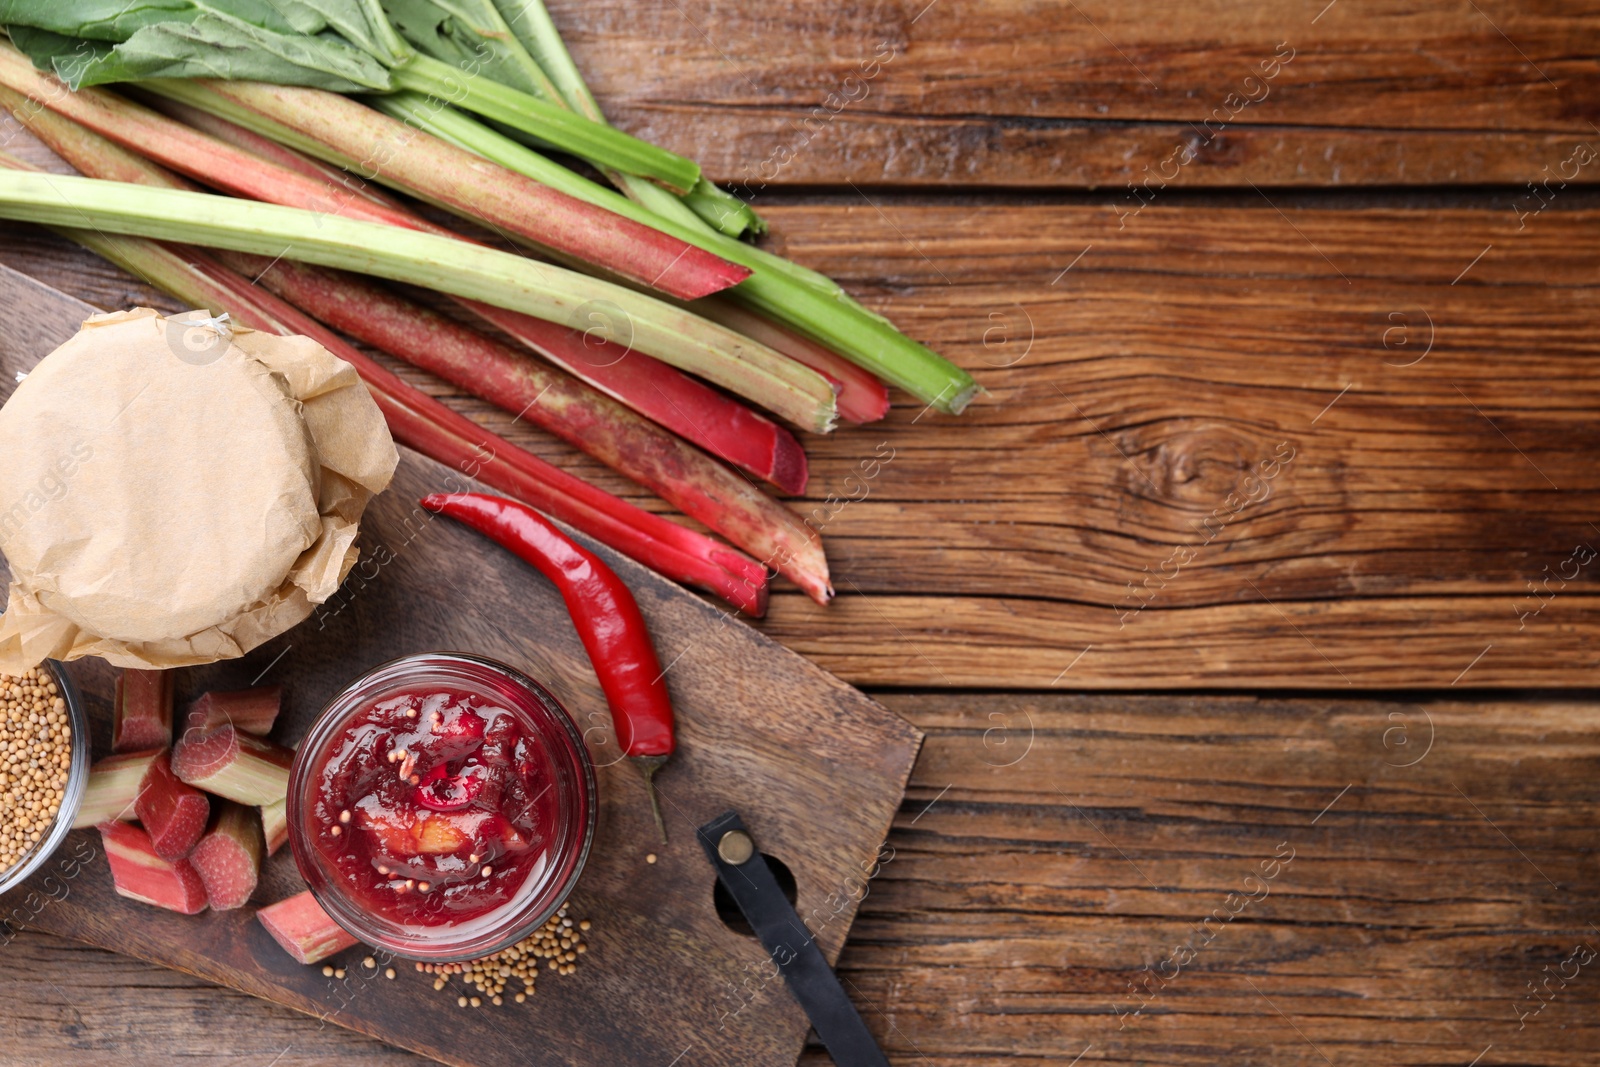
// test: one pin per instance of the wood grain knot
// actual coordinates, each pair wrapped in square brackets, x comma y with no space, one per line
[1196,465]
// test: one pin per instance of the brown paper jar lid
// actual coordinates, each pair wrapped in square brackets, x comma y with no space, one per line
[161,503]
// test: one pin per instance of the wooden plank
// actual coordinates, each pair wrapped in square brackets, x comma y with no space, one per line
[816,768]
[1051,848]
[1134,390]
[998,93]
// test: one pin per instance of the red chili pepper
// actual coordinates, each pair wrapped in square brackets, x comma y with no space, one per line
[607,617]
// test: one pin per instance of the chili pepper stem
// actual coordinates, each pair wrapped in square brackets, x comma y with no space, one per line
[648,766]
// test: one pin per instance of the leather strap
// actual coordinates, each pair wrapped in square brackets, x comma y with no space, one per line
[791,946]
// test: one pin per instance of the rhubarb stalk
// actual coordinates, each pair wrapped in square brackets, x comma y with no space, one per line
[138,873]
[233,764]
[275,824]
[141,710]
[172,812]
[113,787]
[860,396]
[303,929]
[251,710]
[716,496]
[228,857]
[456,179]
[802,299]
[472,271]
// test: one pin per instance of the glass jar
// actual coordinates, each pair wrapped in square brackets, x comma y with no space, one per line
[353,792]
[77,781]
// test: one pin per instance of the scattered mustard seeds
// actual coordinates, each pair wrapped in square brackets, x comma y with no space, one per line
[35,757]
[558,942]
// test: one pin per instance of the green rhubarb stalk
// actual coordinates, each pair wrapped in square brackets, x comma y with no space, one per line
[549,122]
[704,204]
[808,302]
[500,278]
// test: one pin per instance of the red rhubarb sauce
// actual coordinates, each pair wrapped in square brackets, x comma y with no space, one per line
[434,805]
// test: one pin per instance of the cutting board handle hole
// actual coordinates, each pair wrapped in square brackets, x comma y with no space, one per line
[729,912]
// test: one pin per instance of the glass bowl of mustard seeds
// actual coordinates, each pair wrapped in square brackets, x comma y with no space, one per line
[44,767]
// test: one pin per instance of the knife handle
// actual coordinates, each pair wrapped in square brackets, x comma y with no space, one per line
[743,872]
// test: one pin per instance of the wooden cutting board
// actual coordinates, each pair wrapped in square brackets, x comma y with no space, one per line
[815,767]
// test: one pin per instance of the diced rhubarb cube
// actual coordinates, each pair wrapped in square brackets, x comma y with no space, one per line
[275,824]
[113,787]
[142,714]
[140,874]
[172,812]
[228,857]
[233,764]
[251,710]
[303,929]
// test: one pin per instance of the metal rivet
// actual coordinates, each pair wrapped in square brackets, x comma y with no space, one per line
[736,847]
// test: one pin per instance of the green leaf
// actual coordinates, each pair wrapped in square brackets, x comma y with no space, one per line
[471,35]
[210,47]
[118,20]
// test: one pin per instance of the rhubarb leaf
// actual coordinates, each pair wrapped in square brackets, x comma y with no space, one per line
[285,41]
[117,20]
[470,35]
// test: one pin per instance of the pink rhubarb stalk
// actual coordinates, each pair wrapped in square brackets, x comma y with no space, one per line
[683,404]
[726,502]
[451,177]
[228,857]
[251,710]
[234,764]
[172,812]
[142,710]
[113,787]
[140,874]
[303,929]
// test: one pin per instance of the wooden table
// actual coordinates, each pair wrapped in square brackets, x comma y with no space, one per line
[1272,537]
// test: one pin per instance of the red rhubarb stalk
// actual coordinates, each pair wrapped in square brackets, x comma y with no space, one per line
[228,857]
[142,711]
[861,397]
[172,812]
[303,929]
[273,152]
[448,176]
[140,874]
[113,787]
[251,710]
[685,405]
[703,489]
[688,407]
[233,764]
[275,824]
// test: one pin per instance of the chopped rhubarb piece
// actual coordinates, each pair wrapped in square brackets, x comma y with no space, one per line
[140,874]
[228,858]
[275,824]
[173,814]
[303,929]
[233,764]
[250,710]
[143,711]
[113,787]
